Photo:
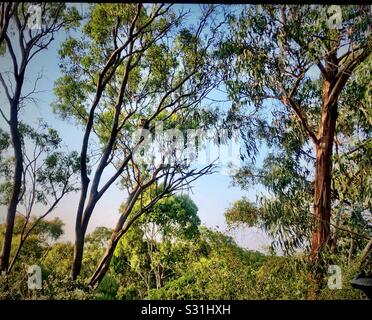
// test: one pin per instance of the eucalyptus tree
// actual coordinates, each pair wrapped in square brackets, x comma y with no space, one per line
[27,30]
[133,66]
[294,65]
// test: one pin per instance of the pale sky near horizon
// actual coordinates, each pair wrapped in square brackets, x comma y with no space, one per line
[212,194]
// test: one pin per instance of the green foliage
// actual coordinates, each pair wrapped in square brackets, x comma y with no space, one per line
[176,216]
[107,289]
[211,266]
[214,274]
[58,258]
[2,48]
[156,246]
[242,212]
[62,287]
[38,242]
[95,245]
[230,272]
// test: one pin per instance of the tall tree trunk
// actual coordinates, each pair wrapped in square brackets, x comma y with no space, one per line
[79,235]
[13,202]
[78,253]
[17,178]
[323,174]
[80,231]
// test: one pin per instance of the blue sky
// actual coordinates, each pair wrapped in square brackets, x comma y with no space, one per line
[212,194]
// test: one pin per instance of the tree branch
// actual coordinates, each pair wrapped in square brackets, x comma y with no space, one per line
[288,101]
[344,74]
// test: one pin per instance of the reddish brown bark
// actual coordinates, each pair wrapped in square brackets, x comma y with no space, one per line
[336,75]
[323,172]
